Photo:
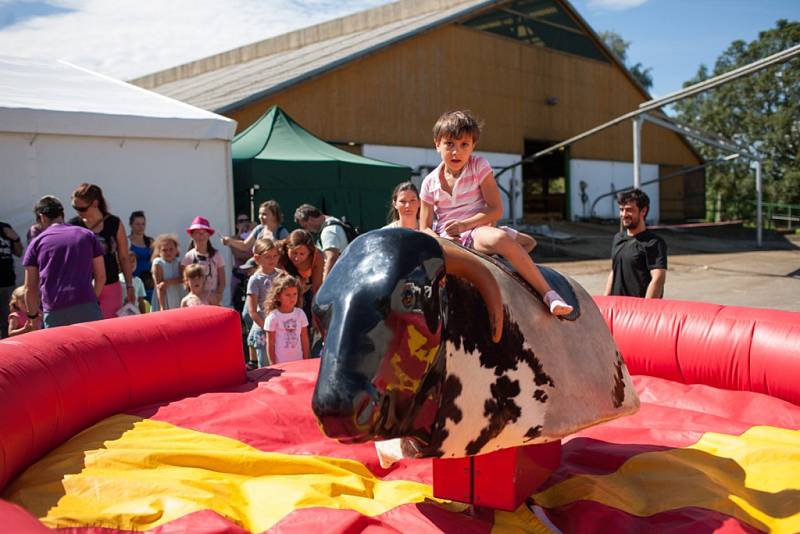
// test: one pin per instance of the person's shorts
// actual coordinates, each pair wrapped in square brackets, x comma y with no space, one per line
[257,338]
[80,313]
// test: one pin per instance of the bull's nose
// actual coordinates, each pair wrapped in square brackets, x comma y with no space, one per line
[346,419]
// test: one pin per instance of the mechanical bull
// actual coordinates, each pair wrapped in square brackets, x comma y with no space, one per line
[432,342]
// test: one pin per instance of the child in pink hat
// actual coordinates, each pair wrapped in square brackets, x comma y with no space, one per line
[203,253]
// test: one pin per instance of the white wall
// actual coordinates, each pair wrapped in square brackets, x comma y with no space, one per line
[603,176]
[171,180]
[428,159]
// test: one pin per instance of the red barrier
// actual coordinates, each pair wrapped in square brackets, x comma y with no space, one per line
[729,347]
[55,383]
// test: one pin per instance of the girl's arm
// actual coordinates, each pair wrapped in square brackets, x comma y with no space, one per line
[14,329]
[238,244]
[317,267]
[252,309]
[161,285]
[425,217]
[271,347]
[220,285]
[124,262]
[490,215]
[306,345]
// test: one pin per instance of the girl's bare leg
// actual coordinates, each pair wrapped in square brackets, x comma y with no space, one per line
[491,240]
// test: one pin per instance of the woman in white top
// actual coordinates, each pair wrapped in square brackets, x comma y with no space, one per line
[404,210]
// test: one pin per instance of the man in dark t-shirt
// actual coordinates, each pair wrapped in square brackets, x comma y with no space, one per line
[10,246]
[638,256]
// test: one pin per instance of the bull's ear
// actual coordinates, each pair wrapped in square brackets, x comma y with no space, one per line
[460,262]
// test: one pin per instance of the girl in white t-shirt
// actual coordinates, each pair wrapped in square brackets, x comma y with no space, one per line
[286,324]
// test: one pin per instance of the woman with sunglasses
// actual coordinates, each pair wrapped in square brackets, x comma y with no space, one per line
[88,201]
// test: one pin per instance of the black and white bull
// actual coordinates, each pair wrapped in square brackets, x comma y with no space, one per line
[430,341]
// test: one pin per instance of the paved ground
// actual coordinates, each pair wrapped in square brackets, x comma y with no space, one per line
[720,265]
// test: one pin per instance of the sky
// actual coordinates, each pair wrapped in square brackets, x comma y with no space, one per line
[129,38]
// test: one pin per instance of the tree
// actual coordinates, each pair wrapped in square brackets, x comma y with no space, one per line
[761,111]
[620,46]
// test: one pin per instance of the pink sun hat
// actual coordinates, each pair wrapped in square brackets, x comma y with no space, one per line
[200,223]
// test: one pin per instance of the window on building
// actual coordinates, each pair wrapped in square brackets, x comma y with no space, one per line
[538,23]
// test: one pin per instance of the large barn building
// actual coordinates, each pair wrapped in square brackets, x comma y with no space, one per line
[533,70]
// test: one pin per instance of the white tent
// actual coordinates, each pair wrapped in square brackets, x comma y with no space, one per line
[61,125]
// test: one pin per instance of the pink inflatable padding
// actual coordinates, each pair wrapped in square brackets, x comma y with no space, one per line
[730,347]
[55,383]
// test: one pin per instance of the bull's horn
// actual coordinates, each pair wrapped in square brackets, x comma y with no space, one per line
[462,263]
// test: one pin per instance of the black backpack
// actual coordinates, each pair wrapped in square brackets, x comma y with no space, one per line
[349,230]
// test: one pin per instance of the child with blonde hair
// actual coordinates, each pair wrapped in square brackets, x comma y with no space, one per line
[18,321]
[169,289]
[266,255]
[463,195]
[286,324]
[194,276]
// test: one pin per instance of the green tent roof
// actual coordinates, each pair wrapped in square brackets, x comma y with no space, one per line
[292,166]
[276,136]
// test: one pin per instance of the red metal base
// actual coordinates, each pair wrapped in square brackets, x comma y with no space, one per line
[502,479]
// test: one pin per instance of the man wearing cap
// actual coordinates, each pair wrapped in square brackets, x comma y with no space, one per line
[60,264]
[331,240]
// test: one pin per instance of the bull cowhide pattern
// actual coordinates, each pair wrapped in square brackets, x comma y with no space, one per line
[560,377]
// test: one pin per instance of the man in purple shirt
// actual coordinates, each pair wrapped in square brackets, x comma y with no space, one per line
[59,266]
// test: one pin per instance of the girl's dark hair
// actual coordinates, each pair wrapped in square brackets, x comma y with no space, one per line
[297,238]
[90,193]
[454,124]
[273,207]
[135,215]
[280,283]
[404,186]
[211,250]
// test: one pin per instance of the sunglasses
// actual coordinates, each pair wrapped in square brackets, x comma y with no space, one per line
[81,209]
[242,220]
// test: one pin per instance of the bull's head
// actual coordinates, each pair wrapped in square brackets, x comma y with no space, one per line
[382,309]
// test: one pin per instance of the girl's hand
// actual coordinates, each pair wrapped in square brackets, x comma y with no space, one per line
[225,239]
[455,228]
[131,294]
[161,285]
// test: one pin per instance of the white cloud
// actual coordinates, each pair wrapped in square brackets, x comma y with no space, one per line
[615,5]
[130,38]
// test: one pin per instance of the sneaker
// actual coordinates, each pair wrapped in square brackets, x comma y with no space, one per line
[556,304]
[251,365]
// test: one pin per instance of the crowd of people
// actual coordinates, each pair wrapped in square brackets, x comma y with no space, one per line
[88,267]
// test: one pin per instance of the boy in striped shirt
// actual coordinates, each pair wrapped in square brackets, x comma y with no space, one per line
[463,195]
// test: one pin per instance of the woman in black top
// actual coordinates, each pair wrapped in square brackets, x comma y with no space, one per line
[93,214]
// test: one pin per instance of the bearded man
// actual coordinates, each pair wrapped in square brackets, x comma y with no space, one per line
[638,256]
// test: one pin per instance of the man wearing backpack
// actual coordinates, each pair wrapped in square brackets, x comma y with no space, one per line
[331,233]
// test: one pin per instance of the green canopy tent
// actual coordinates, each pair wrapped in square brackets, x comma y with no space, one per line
[290,165]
